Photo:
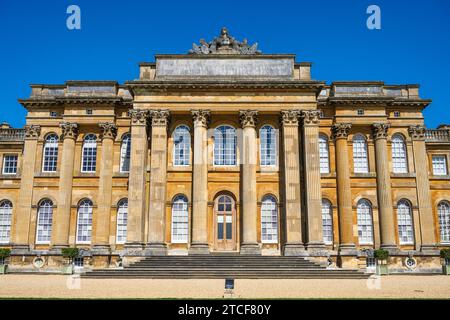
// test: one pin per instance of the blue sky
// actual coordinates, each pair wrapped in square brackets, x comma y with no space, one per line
[412,46]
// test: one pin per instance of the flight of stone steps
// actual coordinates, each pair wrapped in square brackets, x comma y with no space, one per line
[216,266]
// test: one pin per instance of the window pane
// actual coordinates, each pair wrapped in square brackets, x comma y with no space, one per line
[444,221]
[5,221]
[180,219]
[229,225]
[324,155]
[44,225]
[182,145]
[364,217]
[50,154]
[225,146]
[439,165]
[89,157]
[122,219]
[125,153]
[9,164]
[327,222]
[268,146]
[399,159]
[269,220]
[84,224]
[360,163]
[405,223]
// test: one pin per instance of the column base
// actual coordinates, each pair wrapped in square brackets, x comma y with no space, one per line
[316,249]
[390,247]
[250,249]
[101,250]
[57,248]
[429,248]
[198,249]
[133,249]
[347,249]
[20,249]
[294,249]
[155,249]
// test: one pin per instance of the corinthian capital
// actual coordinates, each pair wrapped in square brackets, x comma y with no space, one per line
[310,117]
[160,117]
[201,117]
[109,130]
[138,116]
[379,130]
[32,131]
[69,130]
[340,130]
[417,132]
[248,118]
[289,117]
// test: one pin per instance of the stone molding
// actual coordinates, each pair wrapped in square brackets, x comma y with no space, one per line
[32,131]
[310,117]
[201,117]
[340,130]
[69,130]
[109,130]
[290,117]
[248,118]
[417,132]
[160,117]
[138,116]
[379,130]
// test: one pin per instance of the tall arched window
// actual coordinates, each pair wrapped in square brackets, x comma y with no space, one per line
[444,221]
[125,153]
[181,146]
[365,222]
[50,153]
[44,222]
[268,147]
[324,154]
[399,158]
[327,222]
[89,155]
[360,162]
[5,220]
[84,221]
[122,219]
[225,146]
[405,222]
[269,220]
[180,218]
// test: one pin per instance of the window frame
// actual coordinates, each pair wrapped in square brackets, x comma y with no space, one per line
[327,204]
[89,226]
[182,215]
[6,209]
[272,218]
[93,155]
[39,220]
[53,156]
[235,148]
[444,164]
[395,143]
[442,226]
[323,141]
[16,167]
[360,148]
[406,204]
[125,155]
[185,145]
[359,216]
[122,215]
[272,149]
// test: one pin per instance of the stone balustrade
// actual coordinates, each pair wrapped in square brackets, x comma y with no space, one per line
[10,134]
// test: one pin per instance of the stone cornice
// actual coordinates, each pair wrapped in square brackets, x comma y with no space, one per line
[109,130]
[379,130]
[201,117]
[248,118]
[32,131]
[69,130]
[160,117]
[61,101]
[382,101]
[417,132]
[340,130]
[289,117]
[310,117]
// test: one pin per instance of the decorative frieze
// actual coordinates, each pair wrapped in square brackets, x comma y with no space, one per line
[201,117]
[69,130]
[109,130]
[340,130]
[138,116]
[310,117]
[379,130]
[160,117]
[417,132]
[290,117]
[32,131]
[248,118]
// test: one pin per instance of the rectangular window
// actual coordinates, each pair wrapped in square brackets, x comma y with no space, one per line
[323,155]
[78,262]
[439,165]
[10,164]
[89,159]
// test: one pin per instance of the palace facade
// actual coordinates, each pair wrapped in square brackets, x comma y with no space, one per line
[225,150]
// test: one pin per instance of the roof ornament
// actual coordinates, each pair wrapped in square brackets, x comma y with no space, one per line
[224,44]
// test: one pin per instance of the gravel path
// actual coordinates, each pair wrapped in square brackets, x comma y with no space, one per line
[58,286]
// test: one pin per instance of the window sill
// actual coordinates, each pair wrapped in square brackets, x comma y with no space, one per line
[364,175]
[440,177]
[403,175]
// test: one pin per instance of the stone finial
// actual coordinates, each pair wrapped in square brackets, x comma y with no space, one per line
[138,116]
[340,130]
[201,117]
[310,117]
[160,117]
[289,117]
[109,130]
[417,132]
[379,130]
[69,130]
[248,118]
[32,131]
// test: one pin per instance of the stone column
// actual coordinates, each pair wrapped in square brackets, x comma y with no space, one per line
[61,218]
[249,245]
[292,197]
[21,225]
[417,134]
[313,190]
[158,182]
[136,182]
[103,218]
[199,244]
[384,194]
[340,134]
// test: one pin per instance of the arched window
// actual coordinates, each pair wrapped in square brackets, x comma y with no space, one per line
[327,222]
[180,219]
[365,225]
[405,222]
[399,158]
[50,153]
[268,147]
[324,154]
[89,156]
[360,162]
[5,220]
[84,222]
[122,218]
[444,221]
[125,153]
[181,146]
[44,222]
[269,220]
[225,146]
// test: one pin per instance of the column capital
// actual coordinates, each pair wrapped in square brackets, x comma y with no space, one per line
[310,117]
[32,131]
[69,130]
[160,117]
[340,130]
[290,117]
[248,118]
[379,130]
[109,130]
[201,117]
[417,132]
[138,116]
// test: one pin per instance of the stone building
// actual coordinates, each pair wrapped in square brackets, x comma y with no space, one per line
[225,149]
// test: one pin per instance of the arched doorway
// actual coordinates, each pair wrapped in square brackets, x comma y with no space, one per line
[224,223]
